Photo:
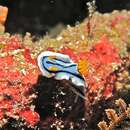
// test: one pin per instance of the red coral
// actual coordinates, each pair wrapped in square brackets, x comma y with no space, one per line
[70,52]
[1,115]
[117,20]
[27,56]
[12,44]
[30,116]
[17,76]
[31,76]
[101,59]
[105,52]
[19,72]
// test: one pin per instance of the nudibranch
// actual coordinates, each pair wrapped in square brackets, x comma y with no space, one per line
[60,66]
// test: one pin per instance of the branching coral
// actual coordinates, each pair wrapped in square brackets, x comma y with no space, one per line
[115,119]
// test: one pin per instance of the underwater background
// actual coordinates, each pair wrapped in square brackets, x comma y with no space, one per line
[43,15]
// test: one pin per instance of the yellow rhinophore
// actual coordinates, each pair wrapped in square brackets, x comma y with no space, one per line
[83,67]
